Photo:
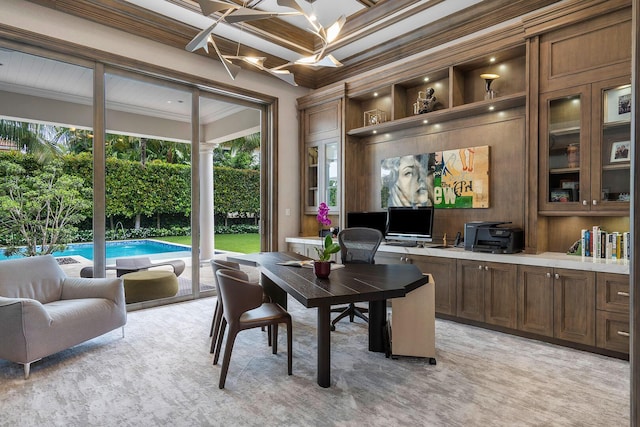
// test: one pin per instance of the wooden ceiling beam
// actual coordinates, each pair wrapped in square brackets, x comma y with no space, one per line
[455,26]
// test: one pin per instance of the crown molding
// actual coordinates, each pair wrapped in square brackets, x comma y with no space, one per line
[142,22]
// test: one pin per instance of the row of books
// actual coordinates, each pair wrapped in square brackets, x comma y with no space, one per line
[598,243]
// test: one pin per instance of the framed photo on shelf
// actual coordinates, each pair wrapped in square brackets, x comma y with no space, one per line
[621,151]
[617,103]
[561,195]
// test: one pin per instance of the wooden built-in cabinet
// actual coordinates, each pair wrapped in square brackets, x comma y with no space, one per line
[535,300]
[322,136]
[574,306]
[557,303]
[584,145]
[443,271]
[584,307]
[612,314]
[560,303]
[580,119]
[486,292]
[321,163]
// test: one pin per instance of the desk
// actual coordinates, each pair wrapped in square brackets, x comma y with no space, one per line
[374,283]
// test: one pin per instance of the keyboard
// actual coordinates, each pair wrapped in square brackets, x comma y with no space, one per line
[402,244]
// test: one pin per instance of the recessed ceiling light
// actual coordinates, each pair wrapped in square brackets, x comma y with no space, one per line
[492,59]
[426,79]
[375,93]
[425,121]
[491,108]
[375,131]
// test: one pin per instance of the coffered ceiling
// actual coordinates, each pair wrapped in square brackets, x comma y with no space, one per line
[376,32]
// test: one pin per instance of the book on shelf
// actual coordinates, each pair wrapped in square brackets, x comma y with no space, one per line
[596,243]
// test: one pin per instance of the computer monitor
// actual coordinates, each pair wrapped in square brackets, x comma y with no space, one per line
[410,223]
[377,220]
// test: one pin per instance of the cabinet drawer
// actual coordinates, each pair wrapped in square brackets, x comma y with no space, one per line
[612,331]
[613,292]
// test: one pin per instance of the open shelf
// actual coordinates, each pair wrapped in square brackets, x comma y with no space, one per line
[481,107]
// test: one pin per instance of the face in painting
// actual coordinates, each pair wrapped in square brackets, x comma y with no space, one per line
[411,187]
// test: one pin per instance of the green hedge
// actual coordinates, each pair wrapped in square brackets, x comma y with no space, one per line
[150,232]
[158,188]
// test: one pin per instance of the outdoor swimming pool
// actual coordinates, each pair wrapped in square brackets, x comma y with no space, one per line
[120,249]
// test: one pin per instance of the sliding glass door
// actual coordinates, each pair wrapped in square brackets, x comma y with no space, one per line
[148,168]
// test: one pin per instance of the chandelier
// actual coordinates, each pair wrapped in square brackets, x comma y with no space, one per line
[233,13]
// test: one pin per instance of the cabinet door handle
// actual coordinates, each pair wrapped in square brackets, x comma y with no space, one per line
[556,276]
[479,267]
[584,203]
[623,294]
[594,202]
[548,275]
[486,268]
[623,333]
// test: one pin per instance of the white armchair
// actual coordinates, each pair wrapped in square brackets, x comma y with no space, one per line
[42,311]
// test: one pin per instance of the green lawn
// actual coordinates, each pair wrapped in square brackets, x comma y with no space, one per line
[243,243]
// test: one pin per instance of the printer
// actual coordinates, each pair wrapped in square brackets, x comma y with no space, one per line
[493,237]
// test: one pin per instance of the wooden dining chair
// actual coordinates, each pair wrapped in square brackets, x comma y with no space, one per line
[244,309]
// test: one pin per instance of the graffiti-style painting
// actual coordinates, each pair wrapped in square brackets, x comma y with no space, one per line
[444,179]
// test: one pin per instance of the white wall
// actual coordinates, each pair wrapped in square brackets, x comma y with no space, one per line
[31,17]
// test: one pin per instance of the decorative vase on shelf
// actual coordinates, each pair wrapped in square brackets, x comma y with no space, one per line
[322,269]
[488,78]
[573,156]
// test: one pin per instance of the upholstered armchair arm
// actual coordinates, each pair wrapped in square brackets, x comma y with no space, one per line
[16,315]
[78,287]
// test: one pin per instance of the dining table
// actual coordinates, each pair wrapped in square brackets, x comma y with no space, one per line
[349,283]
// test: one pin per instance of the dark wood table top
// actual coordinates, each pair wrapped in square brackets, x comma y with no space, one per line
[352,283]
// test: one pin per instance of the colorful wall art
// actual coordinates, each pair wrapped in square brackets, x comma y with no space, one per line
[444,179]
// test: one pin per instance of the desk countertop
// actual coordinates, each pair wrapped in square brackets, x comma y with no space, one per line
[544,259]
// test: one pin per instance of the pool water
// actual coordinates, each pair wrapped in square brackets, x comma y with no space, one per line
[119,249]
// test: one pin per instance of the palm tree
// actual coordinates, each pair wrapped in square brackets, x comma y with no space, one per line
[32,138]
[239,153]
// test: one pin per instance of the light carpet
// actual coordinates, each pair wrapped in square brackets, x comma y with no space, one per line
[161,374]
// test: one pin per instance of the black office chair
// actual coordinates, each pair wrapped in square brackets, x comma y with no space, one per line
[358,245]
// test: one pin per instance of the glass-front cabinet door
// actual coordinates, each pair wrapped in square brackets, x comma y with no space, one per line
[565,150]
[585,148]
[322,181]
[611,164]
[331,176]
[311,203]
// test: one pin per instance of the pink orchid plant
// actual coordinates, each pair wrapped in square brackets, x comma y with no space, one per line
[328,246]
[323,214]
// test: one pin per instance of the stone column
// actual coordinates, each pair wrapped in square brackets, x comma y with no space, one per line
[207,246]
